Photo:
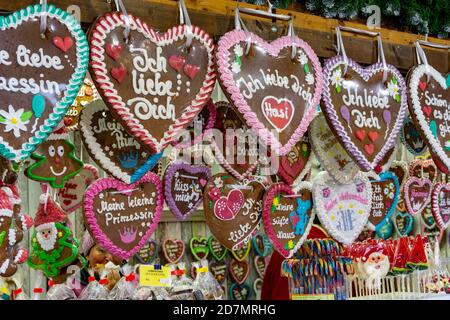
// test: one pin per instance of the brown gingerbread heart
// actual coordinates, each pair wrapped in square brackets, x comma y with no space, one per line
[260,265]
[239,270]
[173,250]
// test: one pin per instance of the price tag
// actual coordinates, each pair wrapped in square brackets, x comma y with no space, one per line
[151,277]
[202,270]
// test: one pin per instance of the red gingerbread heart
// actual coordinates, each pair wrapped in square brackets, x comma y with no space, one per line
[63,44]
[191,70]
[177,62]
[119,73]
[360,134]
[227,207]
[113,50]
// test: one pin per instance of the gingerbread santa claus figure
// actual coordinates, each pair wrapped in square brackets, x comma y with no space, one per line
[375,265]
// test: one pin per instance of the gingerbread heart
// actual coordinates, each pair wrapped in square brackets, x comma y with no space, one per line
[435,97]
[219,270]
[288,216]
[238,143]
[295,165]
[241,254]
[239,270]
[385,194]
[400,170]
[261,244]
[273,92]
[403,222]
[239,292]
[417,194]
[183,188]
[155,100]
[329,152]
[260,266]
[218,251]
[199,247]
[173,250]
[70,197]
[112,147]
[411,138]
[147,253]
[441,204]
[343,209]
[122,217]
[423,169]
[232,209]
[257,288]
[362,99]
[40,76]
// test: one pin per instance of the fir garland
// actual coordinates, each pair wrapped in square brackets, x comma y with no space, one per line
[430,17]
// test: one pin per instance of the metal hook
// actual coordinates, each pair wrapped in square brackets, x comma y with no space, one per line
[43,24]
[184,19]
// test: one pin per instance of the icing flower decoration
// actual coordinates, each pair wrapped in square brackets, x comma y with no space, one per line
[309,79]
[302,58]
[218,182]
[290,245]
[386,191]
[336,79]
[360,187]
[394,89]
[326,192]
[238,51]
[236,67]
[276,201]
[15,120]
[214,194]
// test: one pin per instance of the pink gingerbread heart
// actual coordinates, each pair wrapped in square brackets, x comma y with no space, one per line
[226,208]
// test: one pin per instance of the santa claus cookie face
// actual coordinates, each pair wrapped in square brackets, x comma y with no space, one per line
[46,236]
[377,264]
[56,163]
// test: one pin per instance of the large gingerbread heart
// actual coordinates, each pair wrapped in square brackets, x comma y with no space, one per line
[343,209]
[277,95]
[70,197]
[153,82]
[411,138]
[233,209]
[295,165]
[40,77]
[237,151]
[183,188]
[365,111]
[385,193]
[430,107]
[112,147]
[122,217]
[329,152]
[417,194]
[441,204]
[288,216]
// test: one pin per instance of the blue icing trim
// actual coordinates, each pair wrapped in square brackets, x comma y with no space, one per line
[389,176]
[386,230]
[147,166]
[246,286]
[447,81]
[73,86]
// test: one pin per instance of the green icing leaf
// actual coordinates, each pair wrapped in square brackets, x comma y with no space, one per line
[306,68]
[2,237]
[2,119]
[397,98]
[26,115]
[338,89]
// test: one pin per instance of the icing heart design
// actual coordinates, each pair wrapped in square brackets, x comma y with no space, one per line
[242,253]
[218,251]
[70,197]
[219,270]
[182,189]
[112,147]
[441,204]
[63,44]
[417,194]
[428,107]
[199,247]
[360,134]
[376,105]
[239,292]
[423,169]
[173,250]
[329,152]
[273,107]
[411,138]
[295,165]
[245,200]
[346,211]
[270,106]
[288,216]
[422,85]
[403,222]
[226,208]
[261,244]
[114,51]
[177,62]
[227,120]
[30,106]
[147,253]
[260,266]
[400,170]
[107,201]
[119,73]
[239,271]
[385,194]
[154,103]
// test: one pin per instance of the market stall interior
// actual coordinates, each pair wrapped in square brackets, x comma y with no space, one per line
[208,150]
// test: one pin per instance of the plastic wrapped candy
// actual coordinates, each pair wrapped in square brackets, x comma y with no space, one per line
[126,287]
[182,286]
[60,291]
[19,294]
[95,290]
[151,293]
[206,283]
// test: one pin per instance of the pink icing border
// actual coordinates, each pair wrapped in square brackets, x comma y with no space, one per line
[100,75]
[107,183]
[234,37]
[95,172]
[233,276]
[420,182]
[435,206]
[268,198]
[165,252]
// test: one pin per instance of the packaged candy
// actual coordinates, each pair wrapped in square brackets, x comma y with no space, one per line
[182,285]
[95,290]
[127,285]
[205,282]
[61,291]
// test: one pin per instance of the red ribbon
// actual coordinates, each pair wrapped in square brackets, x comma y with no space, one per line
[178,272]
[51,283]
[91,278]
[38,290]
[17,292]
[103,281]
[130,277]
